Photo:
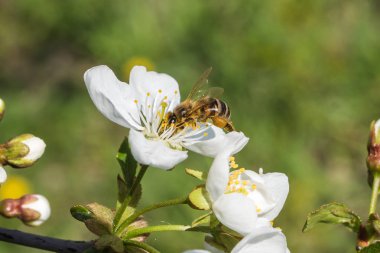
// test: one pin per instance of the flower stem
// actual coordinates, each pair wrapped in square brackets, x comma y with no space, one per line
[126,201]
[159,228]
[141,245]
[133,217]
[375,192]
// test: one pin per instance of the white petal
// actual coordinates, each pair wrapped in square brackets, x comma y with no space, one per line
[36,148]
[42,206]
[236,212]
[262,240]
[218,176]
[112,97]
[152,88]
[3,175]
[230,143]
[277,185]
[154,153]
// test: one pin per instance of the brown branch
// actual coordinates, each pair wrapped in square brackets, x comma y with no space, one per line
[43,242]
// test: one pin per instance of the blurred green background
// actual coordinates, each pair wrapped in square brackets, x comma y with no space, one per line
[301,77]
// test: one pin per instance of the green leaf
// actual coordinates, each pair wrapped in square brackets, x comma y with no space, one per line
[195,173]
[110,241]
[122,191]
[333,213]
[201,220]
[373,248]
[198,198]
[127,163]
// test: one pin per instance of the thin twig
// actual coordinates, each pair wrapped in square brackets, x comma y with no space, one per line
[43,242]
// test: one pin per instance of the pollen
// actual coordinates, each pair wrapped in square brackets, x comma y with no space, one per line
[159,91]
[166,97]
[148,94]
[135,101]
[234,165]
[253,187]
[258,210]
[176,92]
[205,134]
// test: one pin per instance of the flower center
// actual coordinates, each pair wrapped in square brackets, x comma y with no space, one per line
[249,184]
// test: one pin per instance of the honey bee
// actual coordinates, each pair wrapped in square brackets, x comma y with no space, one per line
[201,105]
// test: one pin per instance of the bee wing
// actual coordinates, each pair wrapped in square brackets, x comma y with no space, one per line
[199,89]
[215,92]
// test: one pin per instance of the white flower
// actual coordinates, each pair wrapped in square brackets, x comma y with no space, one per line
[38,204]
[141,106]
[263,240]
[244,200]
[3,175]
[24,150]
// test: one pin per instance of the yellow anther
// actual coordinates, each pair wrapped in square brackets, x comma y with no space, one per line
[176,91]
[258,210]
[232,158]
[166,97]
[237,182]
[245,182]
[159,91]
[136,101]
[253,186]
[149,106]
[205,134]
[235,166]
[272,222]
[148,94]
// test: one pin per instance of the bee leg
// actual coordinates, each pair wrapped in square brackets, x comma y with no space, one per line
[224,123]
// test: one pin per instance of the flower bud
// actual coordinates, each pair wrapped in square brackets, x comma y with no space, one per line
[373,159]
[24,150]
[3,175]
[31,209]
[2,109]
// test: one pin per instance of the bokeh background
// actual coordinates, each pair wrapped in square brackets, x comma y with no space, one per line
[301,77]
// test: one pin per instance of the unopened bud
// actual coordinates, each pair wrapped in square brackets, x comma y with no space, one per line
[24,150]
[373,159]
[31,209]
[3,175]
[2,109]
[139,223]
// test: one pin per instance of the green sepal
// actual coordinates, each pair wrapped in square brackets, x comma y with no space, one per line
[81,213]
[333,213]
[203,229]
[229,241]
[373,248]
[127,163]
[211,241]
[202,220]
[112,242]
[195,173]
[198,198]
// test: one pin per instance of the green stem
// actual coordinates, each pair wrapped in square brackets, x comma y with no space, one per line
[140,212]
[375,192]
[141,174]
[126,201]
[151,229]
[141,245]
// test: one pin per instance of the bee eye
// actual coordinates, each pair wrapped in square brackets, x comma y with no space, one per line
[172,120]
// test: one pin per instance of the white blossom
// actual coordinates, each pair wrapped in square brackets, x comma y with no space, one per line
[141,106]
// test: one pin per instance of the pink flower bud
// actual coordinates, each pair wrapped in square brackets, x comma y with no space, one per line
[31,209]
